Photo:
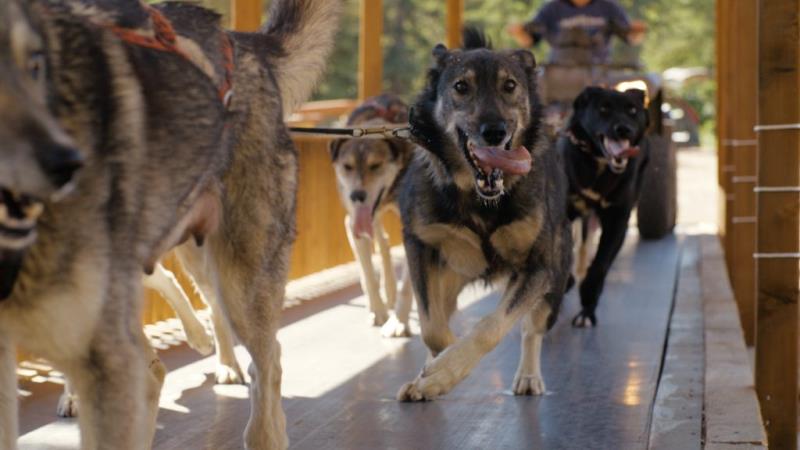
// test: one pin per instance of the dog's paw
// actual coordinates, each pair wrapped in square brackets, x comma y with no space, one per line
[528,384]
[394,328]
[437,378]
[229,374]
[584,320]
[199,339]
[67,405]
[377,318]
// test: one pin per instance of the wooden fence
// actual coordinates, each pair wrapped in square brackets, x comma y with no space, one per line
[758,75]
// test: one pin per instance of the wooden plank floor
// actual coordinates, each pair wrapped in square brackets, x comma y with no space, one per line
[340,379]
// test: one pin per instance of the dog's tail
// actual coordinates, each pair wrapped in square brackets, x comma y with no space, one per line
[304,33]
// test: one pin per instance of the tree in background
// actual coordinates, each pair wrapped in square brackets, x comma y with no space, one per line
[680,34]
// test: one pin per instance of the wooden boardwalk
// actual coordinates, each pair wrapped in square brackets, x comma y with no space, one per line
[605,385]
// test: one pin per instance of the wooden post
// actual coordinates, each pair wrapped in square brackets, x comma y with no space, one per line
[724,114]
[455,21]
[370,56]
[246,14]
[778,230]
[741,147]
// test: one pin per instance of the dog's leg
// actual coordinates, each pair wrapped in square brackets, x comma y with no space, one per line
[441,374]
[362,248]
[397,325]
[111,380]
[580,235]
[167,285]
[614,224]
[8,393]
[528,379]
[154,380]
[388,277]
[200,267]
[253,298]
[68,402]
[228,369]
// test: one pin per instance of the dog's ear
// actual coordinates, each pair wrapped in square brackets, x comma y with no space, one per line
[440,55]
[636,95]
[585,97]
[400,149]
[333,148]
[525,59]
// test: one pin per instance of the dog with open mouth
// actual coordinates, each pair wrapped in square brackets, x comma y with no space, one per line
[605,157]
[484,199]
[180,125]
[367,174]
[32,171]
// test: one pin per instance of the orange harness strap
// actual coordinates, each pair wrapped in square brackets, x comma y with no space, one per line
[165,39]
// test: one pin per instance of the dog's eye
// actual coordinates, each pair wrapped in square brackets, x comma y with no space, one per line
[461,87]
[35,65]
[604,109]
[348,167]
[509,86]
[374,167]
[633,111]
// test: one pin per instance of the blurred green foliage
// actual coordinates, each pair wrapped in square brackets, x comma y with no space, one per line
[680,34]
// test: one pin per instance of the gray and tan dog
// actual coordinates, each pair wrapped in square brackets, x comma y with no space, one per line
[485,200]
[138,90]
[367,171]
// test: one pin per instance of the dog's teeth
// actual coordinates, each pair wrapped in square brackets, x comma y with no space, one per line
[34,210]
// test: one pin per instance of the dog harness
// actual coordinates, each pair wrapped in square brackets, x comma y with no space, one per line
[586,197]
[165,39]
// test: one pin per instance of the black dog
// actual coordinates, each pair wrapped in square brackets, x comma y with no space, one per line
[605,166]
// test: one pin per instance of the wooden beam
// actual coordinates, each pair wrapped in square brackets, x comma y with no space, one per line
[778,228]
[741,146]
[246,14]
[455,22]
[724,114]
[370,55]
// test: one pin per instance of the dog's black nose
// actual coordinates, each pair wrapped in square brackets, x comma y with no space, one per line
[623,131]
[59,162]
[493,132]
[358,196]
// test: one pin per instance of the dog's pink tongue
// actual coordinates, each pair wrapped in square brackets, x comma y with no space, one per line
[620,149]
[514,162]
[362,225]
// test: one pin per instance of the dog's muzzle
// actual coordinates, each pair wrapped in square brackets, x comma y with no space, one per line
[617,153]
[492,163]
[18,216]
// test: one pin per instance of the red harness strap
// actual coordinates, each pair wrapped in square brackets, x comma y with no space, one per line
[165,39]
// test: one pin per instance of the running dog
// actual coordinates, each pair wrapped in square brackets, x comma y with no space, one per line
[367,171]
[605,160]
[485,200]
[168,153]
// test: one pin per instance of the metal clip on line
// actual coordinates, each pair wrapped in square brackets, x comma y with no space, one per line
[384,132]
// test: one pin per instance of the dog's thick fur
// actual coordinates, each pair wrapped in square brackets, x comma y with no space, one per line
[367,174]
[164,282]
[600,184]
[158,168]
[462,224]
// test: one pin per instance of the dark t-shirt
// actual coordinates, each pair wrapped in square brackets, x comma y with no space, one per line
[599,20]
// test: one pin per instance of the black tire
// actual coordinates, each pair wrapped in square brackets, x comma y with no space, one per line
[658,203]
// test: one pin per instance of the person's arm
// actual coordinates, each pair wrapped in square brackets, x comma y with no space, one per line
[532,32]
[618,22]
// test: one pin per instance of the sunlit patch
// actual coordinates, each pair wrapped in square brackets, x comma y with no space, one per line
[232,390]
